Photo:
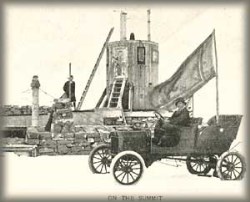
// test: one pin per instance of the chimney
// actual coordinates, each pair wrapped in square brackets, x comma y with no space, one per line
[149,34]
[123,20]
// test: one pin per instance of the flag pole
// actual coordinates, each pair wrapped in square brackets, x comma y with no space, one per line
[217,80]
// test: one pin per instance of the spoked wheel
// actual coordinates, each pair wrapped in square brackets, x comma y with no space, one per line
[231,166]
[199,164]
[100,159]
[127,167]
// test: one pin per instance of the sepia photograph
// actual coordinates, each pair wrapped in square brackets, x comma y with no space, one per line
[124,101]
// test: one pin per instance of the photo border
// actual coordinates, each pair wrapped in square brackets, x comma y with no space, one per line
[3,3]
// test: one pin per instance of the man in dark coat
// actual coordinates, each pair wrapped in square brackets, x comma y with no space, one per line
[167,132]
[181,116]
[69,89]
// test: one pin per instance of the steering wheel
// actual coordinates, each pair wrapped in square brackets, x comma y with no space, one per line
[158,114]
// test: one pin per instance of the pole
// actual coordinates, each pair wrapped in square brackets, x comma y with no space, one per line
[123,26]
[35,101]
[69,82]
[217,80]
[149,34]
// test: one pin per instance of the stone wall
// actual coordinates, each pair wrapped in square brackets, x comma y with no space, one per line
[87,132]
[9,110]
[79,142]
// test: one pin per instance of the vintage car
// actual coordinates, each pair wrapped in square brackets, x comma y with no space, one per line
[203,148]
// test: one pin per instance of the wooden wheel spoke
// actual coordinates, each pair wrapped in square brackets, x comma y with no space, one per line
[98,166]
[224,172]
[196,166]
[236,158]
[96,162]
[224,162]
[237,171]
[237,163]
[105,166]
[232,158]
[234,174]
[97,158]
[132,176]
[134,164]
[135,173]
[102,167]
[193,165]
[227,158]
[100,154]
[231,173]
[120,174]
[123,176]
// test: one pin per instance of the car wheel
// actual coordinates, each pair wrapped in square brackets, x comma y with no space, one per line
[127,167]
[100,159]
[231,166]
[198,164]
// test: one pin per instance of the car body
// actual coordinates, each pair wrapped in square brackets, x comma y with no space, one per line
[200,146]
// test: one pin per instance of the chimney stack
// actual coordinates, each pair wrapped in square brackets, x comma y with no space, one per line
[149,34]
[123,20]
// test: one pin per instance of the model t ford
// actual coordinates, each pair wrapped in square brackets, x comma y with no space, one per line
[203,149]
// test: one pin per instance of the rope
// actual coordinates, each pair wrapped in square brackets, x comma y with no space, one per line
[46,93]
[26,91]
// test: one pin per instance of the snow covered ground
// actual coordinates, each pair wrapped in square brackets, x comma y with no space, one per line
[70,176]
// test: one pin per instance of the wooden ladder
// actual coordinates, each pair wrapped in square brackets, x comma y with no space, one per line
[94,70]
[115,99]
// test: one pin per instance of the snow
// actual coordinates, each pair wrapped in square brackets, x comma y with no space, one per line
[70,176]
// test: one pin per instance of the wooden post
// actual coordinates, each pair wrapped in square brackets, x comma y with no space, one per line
[35,101]
[217,80]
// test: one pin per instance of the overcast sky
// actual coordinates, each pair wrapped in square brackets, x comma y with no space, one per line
[42,40]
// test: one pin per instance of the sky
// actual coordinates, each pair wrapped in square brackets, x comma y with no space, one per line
[42,39]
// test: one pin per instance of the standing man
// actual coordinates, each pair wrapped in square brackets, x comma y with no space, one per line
[69,89]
